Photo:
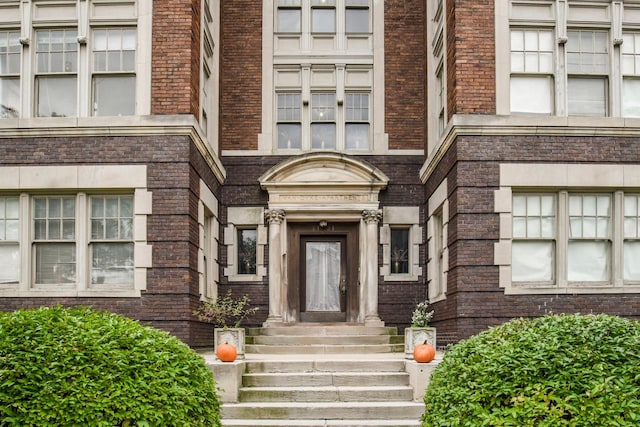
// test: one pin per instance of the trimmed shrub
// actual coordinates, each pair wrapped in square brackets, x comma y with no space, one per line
[561,370]
[82,367]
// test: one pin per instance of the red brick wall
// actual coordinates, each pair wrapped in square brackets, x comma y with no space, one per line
[175,63]
[405,73]
[241,74]
[470,57]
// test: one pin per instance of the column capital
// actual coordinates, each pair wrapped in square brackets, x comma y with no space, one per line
[274,216]
[372,216]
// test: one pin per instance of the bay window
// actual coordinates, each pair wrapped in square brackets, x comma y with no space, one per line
[9,74]
[56,73]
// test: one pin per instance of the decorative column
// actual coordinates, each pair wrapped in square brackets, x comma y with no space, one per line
[274,218]
[371,219]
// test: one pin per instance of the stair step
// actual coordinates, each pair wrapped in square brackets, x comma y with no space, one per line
[323,410]
[321,423]
[324,339]
[319,366]
[325,379]
[322,329]
[324,349]
[326,394]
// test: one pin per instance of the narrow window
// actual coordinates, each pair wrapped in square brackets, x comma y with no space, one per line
[54,228]
[438,256]
[112,240]
[323,16]
[357,16]
[289,120]
[587,68]
[399,250]
[9,74]
[114,82]
[589,249]
[440,98]
[631,75]
[56,73]
[631,227]
[289,16]
[247,240]
[323,121]
[357,121]
[534,234]
[9,240]
[531,71]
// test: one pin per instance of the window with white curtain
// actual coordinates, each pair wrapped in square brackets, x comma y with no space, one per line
[323,121]
[587,69]
[532,71]
[289,120]
[631,74]
[534,233]
[631,248]
[9,240]
[10,50]
[357,121]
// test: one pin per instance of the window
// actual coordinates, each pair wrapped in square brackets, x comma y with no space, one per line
[399,250]
[357,16]
[323,121]
[323,16]
[533,238]
[440,99]
[247,244]
[289,16]
[112,240]
[587,68]
[54,234]
[531,71]
[56,73]
[631,75]
[10,49]
[9,240]
[114,51]
[357,121]
[289,120]
[631,233]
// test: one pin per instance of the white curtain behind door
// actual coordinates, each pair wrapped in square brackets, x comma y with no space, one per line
[323,276]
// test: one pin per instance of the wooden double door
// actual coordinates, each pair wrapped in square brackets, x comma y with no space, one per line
[323,272]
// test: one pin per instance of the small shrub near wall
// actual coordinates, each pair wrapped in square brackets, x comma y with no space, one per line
[565,370]
[81,367]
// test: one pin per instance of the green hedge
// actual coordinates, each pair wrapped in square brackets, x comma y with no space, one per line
[82,367]
[565,370]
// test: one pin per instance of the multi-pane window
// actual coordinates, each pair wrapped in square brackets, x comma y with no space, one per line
[114,52]
[56,73]
[399,250]
[531,71]
[631,74]
[111,240]
[357,16]
[54,235]
[587,69]
[323,16]
[440,98]
[247,245]
[9,240]
[10,49]
[357,121]
[289,16]
[289,120]
[323,121]
[631,231]
[589,248]
[534,231]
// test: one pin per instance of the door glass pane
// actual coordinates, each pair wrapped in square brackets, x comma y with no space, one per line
[323,276]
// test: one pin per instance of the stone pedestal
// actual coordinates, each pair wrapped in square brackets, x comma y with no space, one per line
[233,336]
[415,336]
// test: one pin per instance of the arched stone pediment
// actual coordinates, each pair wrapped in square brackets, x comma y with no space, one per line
[323,179]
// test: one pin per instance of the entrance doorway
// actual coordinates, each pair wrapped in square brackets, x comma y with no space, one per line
[323,269]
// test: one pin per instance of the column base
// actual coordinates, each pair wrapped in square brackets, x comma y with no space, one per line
[273,321]
[373,321]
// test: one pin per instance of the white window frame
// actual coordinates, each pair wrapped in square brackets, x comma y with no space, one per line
[209,233]
[80,183]
[564,180]
[436,80]
[239,218]
[437,243]
[402,217]
[10,36]
[8,240]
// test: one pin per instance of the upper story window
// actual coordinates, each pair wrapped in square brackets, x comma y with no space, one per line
[563,59]
[323,16]
[9,240]
[56,73]
[9,74]
[357,16]
[357,121]
[289,16]
[114,82]
[323,121]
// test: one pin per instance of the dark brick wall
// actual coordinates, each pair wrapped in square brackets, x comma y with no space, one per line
[174,167]
[474,299]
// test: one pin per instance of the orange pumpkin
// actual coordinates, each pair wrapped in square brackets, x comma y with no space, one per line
[424,353]
[226,352]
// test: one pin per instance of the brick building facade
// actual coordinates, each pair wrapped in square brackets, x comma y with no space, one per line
[335,160]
